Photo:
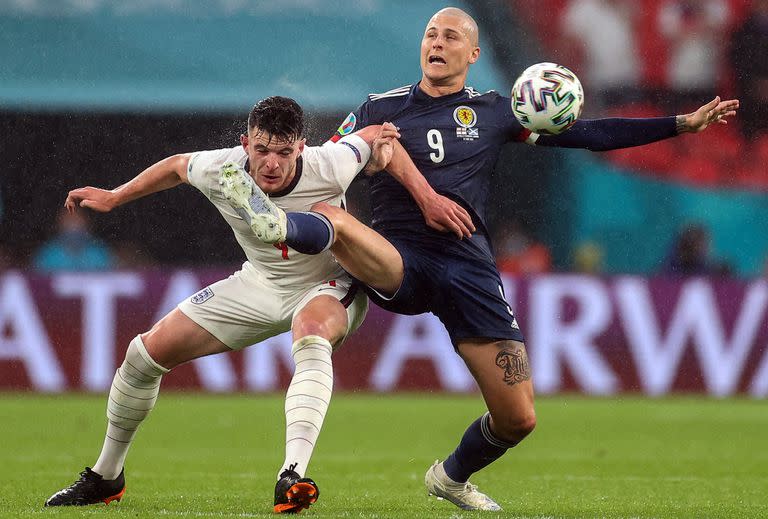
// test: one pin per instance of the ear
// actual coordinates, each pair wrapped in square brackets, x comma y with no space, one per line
[301,146]
[475,55]
[244,141]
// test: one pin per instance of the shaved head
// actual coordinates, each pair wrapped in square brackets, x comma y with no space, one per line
[468,24]
[448,48]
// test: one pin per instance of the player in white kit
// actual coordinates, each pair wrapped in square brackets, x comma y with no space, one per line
[278,288]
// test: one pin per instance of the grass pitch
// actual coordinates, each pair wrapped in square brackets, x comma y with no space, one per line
[217,456]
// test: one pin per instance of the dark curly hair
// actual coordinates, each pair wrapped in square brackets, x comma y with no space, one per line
[280,117]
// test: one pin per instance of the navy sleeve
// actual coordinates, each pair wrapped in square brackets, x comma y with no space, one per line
[513,130]
[356,120]
[612,134]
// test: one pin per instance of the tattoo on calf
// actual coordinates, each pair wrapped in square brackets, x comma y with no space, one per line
[514,362]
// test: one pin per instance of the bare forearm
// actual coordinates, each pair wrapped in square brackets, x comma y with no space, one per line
[402,168]
[168,173]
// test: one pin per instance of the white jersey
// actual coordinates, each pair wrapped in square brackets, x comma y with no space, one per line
[323,174]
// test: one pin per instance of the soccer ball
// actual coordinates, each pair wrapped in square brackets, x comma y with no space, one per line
[547,98]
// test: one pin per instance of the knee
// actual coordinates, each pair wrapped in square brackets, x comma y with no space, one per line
[514,427]
[324,316]
[325,329]
[156,351]
[302,328]
[334,214]
[323,208]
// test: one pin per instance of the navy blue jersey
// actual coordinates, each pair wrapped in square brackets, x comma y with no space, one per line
[455,141]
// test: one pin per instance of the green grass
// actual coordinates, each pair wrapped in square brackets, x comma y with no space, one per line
[217,456]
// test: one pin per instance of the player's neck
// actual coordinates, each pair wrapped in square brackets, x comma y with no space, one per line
[438,90]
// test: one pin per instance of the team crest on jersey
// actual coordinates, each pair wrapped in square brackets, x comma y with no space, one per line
[348,125]
[202,296]
[465,117]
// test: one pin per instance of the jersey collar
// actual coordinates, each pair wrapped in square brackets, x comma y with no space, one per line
[421,97]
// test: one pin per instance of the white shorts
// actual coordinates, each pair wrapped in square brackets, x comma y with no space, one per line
[246,308]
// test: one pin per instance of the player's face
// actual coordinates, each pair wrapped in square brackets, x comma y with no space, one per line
[272,160]
[447,50]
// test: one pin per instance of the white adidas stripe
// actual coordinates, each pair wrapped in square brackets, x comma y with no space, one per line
[391,93]
[405,90]
[471,92]
[398,89]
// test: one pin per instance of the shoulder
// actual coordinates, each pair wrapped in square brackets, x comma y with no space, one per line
[472,93]
[377,108]
[490,102]
[203,167]
[494,103]
[210,160]
[316,173]
[490,96]
[402,91]
[318,160]
[216,157]
[312,154]
[330,154]
[390,98]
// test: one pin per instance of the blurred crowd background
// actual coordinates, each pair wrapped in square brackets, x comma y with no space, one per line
[91,92]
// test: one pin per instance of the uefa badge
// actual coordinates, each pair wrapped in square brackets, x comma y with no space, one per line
[348,125]
[466,118]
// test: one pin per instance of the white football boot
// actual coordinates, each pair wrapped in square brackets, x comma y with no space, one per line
[464,495]
[265,219]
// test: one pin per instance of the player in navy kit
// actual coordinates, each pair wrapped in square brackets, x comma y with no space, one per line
[453,135]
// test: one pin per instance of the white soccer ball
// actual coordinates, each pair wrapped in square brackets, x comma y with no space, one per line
[547,98]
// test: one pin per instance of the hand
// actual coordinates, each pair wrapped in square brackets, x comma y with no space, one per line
[382,148]
[445,215]
[713,112]
[94,198]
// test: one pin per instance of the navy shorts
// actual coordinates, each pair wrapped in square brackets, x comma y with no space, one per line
[465,293]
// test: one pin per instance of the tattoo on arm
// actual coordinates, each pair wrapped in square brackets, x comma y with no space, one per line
[680,124]
[514,362]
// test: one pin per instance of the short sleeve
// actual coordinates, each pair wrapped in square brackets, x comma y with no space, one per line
[347,157]
[203,166]
[356,120]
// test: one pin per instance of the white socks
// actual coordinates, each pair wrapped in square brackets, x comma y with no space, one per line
[307,400]
[131,398]
[137,383]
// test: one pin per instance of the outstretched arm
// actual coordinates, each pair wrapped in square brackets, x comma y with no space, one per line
[167,173]
[615,133]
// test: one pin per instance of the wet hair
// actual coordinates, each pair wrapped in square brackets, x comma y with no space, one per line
[280,117]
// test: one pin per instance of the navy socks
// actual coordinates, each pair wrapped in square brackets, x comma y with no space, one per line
[308,233]
[478,448]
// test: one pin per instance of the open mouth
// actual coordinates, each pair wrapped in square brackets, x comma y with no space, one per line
[436,59]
